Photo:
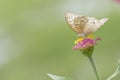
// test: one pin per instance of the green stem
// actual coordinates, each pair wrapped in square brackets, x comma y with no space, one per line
[92,61]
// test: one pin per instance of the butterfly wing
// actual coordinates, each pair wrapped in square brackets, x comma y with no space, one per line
[94,24]
[102,21]
[83,25]
[76,22]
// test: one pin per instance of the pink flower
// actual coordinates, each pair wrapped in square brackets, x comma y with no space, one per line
[117,1]
[85,43]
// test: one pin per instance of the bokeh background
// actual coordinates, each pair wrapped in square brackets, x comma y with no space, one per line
[35,39]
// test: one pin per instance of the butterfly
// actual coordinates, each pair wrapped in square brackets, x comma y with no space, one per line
[83,25]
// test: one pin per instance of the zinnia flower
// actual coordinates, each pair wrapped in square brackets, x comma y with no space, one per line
[85,43]
[118,1]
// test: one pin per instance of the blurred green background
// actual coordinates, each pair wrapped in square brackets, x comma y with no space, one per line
[35,39]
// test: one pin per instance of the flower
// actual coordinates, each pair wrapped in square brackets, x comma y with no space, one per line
[118,1]
[85,43]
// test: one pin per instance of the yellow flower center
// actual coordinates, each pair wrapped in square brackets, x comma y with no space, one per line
[78,40]
[91,36]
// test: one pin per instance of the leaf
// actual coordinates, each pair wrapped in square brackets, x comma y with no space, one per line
[117,72]
[54,77]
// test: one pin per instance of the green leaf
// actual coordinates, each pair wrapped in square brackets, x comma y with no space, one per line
[54,77]
[117,72]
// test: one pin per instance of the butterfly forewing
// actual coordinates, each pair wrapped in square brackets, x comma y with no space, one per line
[76,22]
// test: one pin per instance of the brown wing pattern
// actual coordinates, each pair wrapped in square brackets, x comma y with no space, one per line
[76,22]
[80,23]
